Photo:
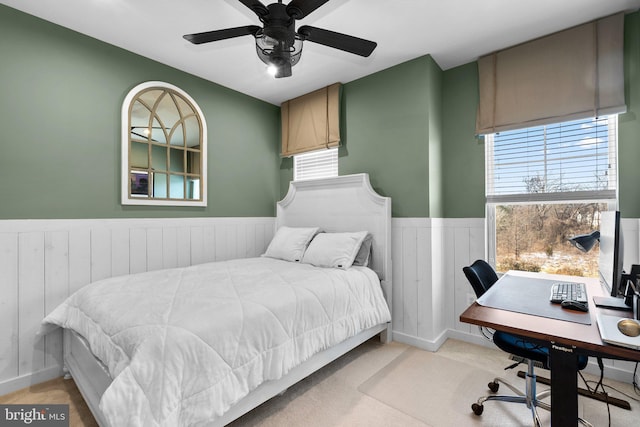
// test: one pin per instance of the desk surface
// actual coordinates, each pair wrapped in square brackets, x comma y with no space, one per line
[583,337]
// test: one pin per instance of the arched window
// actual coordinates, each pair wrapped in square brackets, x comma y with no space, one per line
[164,147]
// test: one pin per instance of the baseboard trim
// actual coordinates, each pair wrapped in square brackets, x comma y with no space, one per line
[610,372]
[23,381]
[470,338]
[420,342]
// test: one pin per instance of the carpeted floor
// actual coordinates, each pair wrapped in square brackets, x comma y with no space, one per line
[399,385]
[438,391]
[388,385]
[56,391]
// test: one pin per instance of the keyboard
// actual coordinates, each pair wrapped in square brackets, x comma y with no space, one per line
[568,291]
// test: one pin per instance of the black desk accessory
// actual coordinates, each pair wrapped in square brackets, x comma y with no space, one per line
[575,305]
[630,300]
[613,303]
[632,297]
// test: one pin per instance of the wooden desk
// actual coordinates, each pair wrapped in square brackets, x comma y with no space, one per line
[565,340]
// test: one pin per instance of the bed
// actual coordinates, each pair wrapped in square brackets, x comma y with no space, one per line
[165,348]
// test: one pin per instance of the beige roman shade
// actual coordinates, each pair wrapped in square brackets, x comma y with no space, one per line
[311,122]
[573,74]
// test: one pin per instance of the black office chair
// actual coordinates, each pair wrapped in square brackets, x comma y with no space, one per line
[482,276]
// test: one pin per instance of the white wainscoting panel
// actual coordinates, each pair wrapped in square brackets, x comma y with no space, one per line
[411,257]
[44,261]
[430,290]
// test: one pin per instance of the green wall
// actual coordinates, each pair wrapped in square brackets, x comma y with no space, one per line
[463,159]
[389,127]
[61,101]
[411,127]
[463,153]
[386,134]
[629,123]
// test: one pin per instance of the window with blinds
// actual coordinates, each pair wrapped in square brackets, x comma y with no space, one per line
[315,165]
[573,160]
[545,184]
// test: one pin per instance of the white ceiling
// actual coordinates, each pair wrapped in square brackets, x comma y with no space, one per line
[453,32]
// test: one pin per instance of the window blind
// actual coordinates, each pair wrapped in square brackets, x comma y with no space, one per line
[573,74]
[311,122]
[573,160]
[315,165]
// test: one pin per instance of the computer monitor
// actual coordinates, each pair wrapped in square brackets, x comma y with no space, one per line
[611,256]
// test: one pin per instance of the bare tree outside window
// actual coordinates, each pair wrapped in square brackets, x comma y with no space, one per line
[534,237]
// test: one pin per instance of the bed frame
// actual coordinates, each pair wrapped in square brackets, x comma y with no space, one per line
[345,203]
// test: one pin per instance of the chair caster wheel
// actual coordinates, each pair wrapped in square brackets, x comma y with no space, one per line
[477,409]
[493,386]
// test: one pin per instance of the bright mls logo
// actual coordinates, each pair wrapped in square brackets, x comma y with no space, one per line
[34,415]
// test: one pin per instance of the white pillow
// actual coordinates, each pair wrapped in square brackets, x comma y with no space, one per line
[289,243]
[337,250]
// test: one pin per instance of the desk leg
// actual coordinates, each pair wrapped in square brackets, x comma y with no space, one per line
[563,363]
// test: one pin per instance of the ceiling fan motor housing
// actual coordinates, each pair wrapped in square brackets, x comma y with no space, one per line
[278,24]
[277,43]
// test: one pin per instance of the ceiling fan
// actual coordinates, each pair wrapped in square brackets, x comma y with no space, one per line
[277,43]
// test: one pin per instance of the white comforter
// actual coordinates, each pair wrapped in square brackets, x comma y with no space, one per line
[183,345]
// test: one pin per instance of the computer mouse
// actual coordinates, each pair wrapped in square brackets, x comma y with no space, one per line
[574,305]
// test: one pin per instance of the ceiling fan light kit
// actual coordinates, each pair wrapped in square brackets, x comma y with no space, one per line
[278,55]
[277,43]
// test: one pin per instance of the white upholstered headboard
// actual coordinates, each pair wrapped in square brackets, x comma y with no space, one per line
[343,203]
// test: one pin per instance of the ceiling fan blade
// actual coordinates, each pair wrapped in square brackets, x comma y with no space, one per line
[212,36]
[298,9]
[257,7]
[340,41]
